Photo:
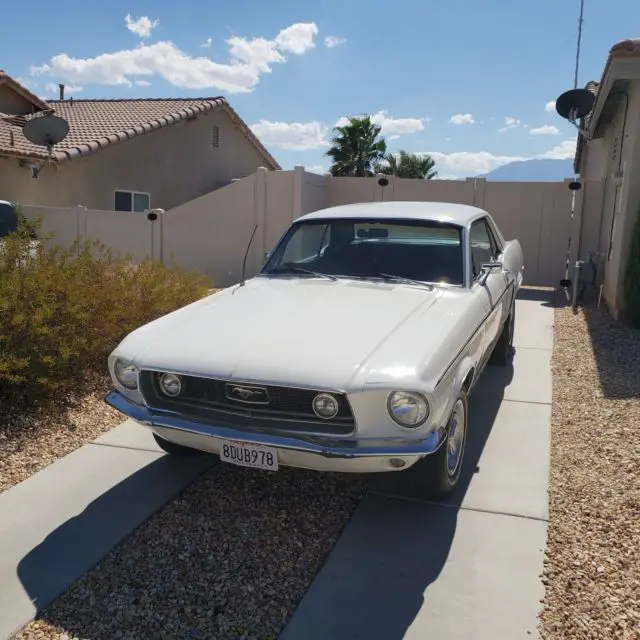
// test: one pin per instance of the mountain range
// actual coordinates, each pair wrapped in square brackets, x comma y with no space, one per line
[539,170]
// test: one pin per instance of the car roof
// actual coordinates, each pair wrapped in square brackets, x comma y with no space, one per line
[460,214]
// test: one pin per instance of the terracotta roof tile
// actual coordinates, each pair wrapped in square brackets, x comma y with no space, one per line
[95,124]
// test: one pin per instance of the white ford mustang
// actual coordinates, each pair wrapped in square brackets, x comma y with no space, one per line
[354,349]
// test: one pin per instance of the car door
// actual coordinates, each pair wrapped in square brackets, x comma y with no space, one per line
[484,248]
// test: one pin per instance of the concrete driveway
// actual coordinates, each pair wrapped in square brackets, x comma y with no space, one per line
[401,569]
[468,569]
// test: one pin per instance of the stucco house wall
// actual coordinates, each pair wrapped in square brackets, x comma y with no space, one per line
[615,159]
[174,165]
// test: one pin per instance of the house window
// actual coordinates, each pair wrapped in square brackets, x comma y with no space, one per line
[131,201]
[215,139]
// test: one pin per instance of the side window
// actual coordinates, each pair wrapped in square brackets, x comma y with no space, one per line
[483,247]
[497,245]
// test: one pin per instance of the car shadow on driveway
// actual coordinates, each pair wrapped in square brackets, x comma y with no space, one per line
[238,547]
[378,576]
[76,546]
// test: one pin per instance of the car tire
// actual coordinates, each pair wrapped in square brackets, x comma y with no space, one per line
[437,475]
[177,450]
[503,350]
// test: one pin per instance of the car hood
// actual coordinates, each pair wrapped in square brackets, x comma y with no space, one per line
[295,331]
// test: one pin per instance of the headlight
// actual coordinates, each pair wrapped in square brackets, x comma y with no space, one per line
[126,374]
[325,406]
[171,384]
[408,409]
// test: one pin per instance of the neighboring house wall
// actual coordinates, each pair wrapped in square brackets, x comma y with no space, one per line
[617,150]
[629,198]
[174,165]
[11,102]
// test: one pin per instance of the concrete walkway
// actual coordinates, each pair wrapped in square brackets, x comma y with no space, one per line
[468,569]
[62,521]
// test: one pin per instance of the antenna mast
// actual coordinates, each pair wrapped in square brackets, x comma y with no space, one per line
[580,23]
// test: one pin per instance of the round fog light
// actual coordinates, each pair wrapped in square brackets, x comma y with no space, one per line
[170,384]
[397,463]
[325,406]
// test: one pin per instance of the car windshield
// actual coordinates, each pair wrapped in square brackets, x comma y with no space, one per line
[388,249]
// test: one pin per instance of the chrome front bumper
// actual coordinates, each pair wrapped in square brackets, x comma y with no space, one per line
[308,451]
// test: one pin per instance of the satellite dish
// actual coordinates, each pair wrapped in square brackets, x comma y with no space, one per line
[575,104]
[45,131]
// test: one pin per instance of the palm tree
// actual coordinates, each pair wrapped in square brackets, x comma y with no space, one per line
[408,165]
[356,148]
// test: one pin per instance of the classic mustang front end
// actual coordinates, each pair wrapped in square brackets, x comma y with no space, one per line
[266,426]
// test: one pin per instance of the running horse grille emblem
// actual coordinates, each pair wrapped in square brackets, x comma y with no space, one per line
[247,394]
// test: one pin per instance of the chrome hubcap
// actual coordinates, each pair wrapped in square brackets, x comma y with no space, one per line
[455,438]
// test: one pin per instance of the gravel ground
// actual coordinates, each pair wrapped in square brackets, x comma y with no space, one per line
[32,438]
[592,565]
[205,568]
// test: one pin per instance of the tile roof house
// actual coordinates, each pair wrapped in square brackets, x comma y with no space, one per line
[609,150]
[128,154]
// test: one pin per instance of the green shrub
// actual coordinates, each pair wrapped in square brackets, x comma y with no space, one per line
[63,311]
[25,226]
[632,279]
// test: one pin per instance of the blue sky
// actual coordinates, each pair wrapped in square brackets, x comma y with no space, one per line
[467,81]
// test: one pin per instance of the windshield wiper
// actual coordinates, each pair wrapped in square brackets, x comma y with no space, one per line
[290,268]
[403,280]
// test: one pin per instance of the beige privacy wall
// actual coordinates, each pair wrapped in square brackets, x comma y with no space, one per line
[210,234]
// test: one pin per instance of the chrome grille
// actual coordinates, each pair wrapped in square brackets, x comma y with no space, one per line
[207,399]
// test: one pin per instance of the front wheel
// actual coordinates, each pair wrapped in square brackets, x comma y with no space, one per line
[436,476]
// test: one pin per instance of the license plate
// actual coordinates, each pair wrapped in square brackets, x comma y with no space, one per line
[246,454]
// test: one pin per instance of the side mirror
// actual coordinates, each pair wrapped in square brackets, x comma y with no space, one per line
[492,267]
[267,255]
[489,268]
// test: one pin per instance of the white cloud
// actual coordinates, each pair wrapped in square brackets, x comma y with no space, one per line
[317,168]
[473,163]
[462,118]
[295,136]
[470,163]
[334,41]
[545,130]
[27,84]
[298,38]
[550,107]
[394,137]
[510,123]
[566,149]
[249,58]
[392,126]
[142,27]
[207,43]
[143,83]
